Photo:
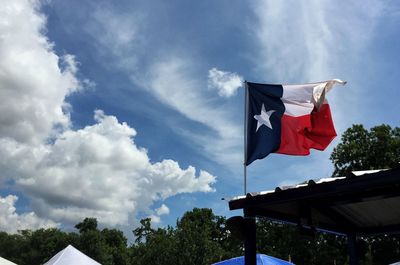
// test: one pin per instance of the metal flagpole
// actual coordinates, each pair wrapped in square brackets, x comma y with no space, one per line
[250,247]
[246,99]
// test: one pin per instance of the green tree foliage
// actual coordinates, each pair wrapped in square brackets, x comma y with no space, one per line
[284,241]
[42,243]
[200,237]
[117,246]
[94,245]
[199,234]
[11,247]
[153,246]
[108,246]
[381,249]
[144,231]
[361,149]
[88,224]
[34,247]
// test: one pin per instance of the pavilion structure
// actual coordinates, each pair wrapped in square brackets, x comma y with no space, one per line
[363,203]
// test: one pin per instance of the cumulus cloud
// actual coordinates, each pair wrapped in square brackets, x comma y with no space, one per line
[156,73]
[69,174]
[33,86]
[162,210]
[225,82]
[97,171]
[156,218]
[11,221]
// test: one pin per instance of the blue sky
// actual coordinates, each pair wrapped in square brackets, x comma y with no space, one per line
[126,109]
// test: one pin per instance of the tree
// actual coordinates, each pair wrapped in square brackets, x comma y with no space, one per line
[382,249]
[11,247]
[284,241]
[92,242]
[200,237]
[144,231]
[34,247]
[88,224]
[43,244]
[117,245]
[197,237]
[361,149]
[154,246]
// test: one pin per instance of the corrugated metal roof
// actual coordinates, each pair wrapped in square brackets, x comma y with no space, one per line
[367,202]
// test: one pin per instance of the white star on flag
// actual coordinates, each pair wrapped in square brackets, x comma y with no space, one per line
[264,118]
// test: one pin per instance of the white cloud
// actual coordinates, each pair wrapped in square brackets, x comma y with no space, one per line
[96,171]
[294,42]
[312,41]
[162,210]
[11,221]
[187,97]
[33,86]
[225,82]
[309,41]
[115,36]
[156,218]
[173,79]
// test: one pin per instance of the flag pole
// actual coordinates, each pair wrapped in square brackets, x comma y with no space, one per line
[246,99]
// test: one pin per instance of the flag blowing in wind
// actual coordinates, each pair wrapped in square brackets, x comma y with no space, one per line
[287,119]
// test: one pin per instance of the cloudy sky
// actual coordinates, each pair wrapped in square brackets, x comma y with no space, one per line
[122,110]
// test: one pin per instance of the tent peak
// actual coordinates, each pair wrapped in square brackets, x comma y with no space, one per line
[71,256]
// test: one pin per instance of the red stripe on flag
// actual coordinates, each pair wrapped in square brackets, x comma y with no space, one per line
[299,134]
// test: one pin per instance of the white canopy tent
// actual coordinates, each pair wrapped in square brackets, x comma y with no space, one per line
[71,256]
[3,261]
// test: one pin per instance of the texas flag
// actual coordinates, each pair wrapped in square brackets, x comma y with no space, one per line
[288,119]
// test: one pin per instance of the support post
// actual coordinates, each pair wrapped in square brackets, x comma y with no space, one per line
[352,249]
[250,245]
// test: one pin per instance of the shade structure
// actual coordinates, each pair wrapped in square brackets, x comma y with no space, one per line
[71,256]
[3,261]
[346,205]
[363,203]
[261,260]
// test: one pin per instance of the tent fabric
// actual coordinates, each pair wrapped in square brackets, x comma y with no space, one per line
[261,260]
[3,261]
[71,256]
[397,263]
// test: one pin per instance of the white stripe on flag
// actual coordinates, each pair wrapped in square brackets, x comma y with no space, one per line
[300,100]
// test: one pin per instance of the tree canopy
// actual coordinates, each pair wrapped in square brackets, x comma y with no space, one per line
[201,238]
[361,149]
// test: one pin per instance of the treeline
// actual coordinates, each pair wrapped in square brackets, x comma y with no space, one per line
[199,237]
